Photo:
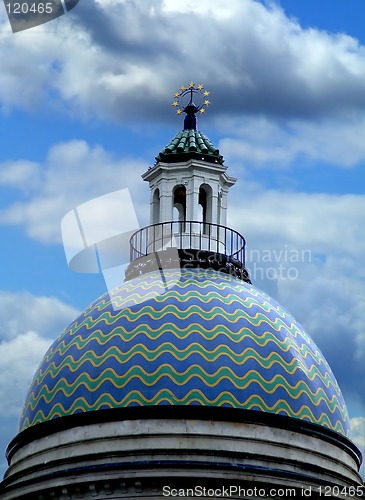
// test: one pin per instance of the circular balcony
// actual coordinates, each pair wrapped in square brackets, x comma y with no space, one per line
[187,244]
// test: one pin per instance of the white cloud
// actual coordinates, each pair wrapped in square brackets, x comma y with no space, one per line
[19,174]
[219,9]
[358,431]
[19,357]
[21,312]
[73,173]
[99,61]
[358,436]
[262,142]
[323,221]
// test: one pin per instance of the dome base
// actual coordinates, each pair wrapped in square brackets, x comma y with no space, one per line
[147,452]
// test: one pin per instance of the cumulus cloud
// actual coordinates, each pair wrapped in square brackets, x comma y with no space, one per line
[99,61]
[271,65]
[261,142]
[22,312]
[20,357]
[72,173]
[329,222]
[358,436]
[20,174]
[358,431]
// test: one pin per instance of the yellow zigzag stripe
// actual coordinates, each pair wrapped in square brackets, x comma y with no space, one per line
[142,283]
[194,348]
[205,299]
[211,279]
[193,328]
[206,316]
[275,382]
[135,397]
[163,296]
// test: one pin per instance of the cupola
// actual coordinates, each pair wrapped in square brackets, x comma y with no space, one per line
[189,188]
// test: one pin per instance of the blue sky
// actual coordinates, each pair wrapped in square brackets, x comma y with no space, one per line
[85,106]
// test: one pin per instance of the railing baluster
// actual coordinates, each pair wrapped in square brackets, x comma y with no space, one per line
[201,229]
[212,238]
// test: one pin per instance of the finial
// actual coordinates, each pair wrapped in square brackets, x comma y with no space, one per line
[184,102]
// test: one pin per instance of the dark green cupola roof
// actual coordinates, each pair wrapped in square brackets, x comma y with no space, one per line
[190,143]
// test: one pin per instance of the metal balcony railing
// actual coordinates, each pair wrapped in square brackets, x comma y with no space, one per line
[187,244]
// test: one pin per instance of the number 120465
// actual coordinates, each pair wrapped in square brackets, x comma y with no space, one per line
[25,8]
[341,491]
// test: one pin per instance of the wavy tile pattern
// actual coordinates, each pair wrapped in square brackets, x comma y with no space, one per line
[211,340]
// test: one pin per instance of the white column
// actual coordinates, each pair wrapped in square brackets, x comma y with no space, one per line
[192,198]
[224,208]
[215,206]
[166,202]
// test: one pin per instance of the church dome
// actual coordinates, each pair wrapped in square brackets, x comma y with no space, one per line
[209,340]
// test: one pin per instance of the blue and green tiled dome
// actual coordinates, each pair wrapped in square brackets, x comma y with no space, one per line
[210,340]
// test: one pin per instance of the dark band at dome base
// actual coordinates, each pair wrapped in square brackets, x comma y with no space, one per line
[194,412]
